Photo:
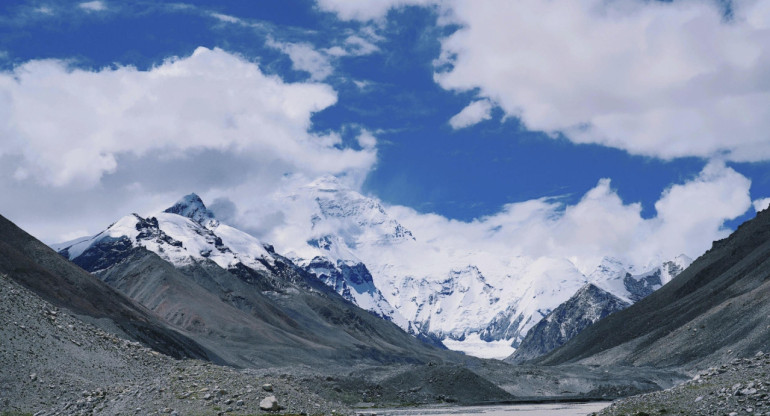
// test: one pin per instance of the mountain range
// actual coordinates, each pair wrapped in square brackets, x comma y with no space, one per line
[470,301]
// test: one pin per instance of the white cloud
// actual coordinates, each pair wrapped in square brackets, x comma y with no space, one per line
[304,57]
[663,79]
[366,9]
[93,6]
[127,139]
[358,46]
[70,125]
[367,140]
[226,18]
[761,204]
[600,224]
[689,217]
[474,113]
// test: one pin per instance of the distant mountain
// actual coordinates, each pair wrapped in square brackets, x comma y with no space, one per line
[584,308]
[713,311]
[237,296]
[469,299]
[621,280]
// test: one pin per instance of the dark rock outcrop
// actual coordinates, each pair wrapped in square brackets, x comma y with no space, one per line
[584,308]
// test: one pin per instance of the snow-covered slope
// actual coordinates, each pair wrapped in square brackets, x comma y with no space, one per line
[631,285]
[176,238]
[475,301]
[613,287]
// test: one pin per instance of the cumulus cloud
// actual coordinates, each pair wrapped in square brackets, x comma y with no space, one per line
[663,79]
[761,204]
[474,113]
[200,123]
[69,125]
[93,6]
[690,215]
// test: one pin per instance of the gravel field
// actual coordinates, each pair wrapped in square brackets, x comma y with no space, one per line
[55,364]
[740,387]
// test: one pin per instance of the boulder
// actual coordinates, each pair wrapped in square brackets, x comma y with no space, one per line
[269,403]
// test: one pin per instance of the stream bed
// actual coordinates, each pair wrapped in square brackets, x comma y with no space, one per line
[549,409]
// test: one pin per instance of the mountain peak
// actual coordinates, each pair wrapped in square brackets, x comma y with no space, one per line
[191,206]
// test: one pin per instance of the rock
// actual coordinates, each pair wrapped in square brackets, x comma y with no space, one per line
[269,403]
[267,387]
[746,392]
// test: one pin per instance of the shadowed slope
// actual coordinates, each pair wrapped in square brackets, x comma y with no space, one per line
[715,309]
[299,321]
[37,267]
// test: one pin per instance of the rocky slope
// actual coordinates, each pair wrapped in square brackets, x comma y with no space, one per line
[584,308]
[55,364]
[35,266]
[714,310]
[738,387]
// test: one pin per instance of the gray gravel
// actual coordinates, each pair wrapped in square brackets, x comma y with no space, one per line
[740,387]
[52,363]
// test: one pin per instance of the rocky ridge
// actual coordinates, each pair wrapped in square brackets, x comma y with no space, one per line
[584,308]
[237,297]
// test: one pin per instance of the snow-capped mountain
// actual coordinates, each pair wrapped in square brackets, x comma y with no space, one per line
[474,301]
[612,288]
[184,233]
[237,296]
[353,281]
[629,285]
[470,299]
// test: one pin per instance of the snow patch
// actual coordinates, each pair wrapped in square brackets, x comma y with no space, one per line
[475,346]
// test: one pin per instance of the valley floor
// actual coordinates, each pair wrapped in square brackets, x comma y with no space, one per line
[54,363]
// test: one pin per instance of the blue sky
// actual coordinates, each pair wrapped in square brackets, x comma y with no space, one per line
[398,74]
